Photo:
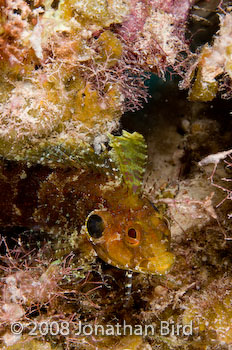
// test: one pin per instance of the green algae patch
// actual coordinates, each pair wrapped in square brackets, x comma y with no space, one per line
[211,316]
[203,90]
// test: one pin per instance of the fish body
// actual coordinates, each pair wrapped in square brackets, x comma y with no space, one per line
[122,225]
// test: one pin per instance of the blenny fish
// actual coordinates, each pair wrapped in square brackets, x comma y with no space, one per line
[102,196]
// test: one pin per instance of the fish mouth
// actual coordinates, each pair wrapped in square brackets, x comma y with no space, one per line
[157,265]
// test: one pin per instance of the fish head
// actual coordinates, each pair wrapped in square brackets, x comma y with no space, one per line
[131,235]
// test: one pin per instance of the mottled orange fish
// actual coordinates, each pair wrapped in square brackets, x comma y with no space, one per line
[130,234]
[124,228]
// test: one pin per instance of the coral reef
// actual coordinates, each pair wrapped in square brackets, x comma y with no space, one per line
[211,311]
[46,283]
[82,203]
[213,73]
[69,70]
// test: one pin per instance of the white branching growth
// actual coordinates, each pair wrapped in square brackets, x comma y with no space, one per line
[215,159]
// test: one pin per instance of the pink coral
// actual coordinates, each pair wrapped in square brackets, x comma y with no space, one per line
[178,8]
[14,20]
[155,32]
[134,22]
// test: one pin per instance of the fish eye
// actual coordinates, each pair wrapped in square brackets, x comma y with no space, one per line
[133,237]
[132,233]
[95,226]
